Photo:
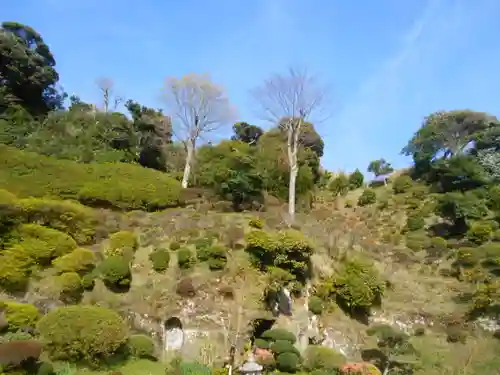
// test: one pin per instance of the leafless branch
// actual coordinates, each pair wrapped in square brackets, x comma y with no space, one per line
[197,106]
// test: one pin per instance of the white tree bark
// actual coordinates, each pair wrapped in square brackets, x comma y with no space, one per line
[187,167]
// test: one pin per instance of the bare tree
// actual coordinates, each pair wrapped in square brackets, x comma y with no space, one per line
[198,107]
[109,98]
[290,100]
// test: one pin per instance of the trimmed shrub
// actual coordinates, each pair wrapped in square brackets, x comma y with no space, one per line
[480,232]
[323,358]
[414,222]
[287,362]
[123,243]
[118,185]
[402,184]
[367,197]
[281,346]
[316,305]
[175,246]
[215,256]
[339,185]
[115,271]
[20,315]
[261,343]
[66,216]
[42,244]
[70,286]
[141,346]
[256,223]
[16,352]
[358,286]
[417,241]
[280,334]
[45,368]
[79,261]
[185,258]
[356,179]
[88,281]
[160,258]
[14,270]
[82,332]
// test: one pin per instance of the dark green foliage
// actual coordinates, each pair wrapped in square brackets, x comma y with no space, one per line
[380,167]
[356,179]
[175,246]
[82,332]
[229,169]
[116,185]
[261,343]
[322,358]
[185,258]
[402,184]
[115,271]
[246,133]
[460,208]
[283,346]
[88,281]
[160,259]
[141,346]
[358,286]
[367,197]
[279,334]
[215,256]
[45,368]
[288,362]
[27,70]
[316,305]
[414,221]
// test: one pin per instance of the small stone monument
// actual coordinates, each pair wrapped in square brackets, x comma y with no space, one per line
[250,367]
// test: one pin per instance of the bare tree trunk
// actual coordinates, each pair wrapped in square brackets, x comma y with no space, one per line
[189,159]
[293,147]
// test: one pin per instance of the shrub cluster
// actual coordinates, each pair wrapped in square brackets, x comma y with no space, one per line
[116,185]
[402,184]
[288,250]
[86,333]
[185,258]
[115,272]
[160,259]
[123,243]
[358,286]
[323,358]
[215,256]
[280,342]
[367,197]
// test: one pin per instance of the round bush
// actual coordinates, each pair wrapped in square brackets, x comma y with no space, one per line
[322,358]
[79,261]
[160,258]
[261,343]
[185,258]
[123,243]
[480,232]
[414,222]
[45,368]
[402,184]
[282,346]
[82,332]
[88,281]
[316,305]
[44,244]
[279,334]
[70,286]
[14,270]
[175,246]
[115,270]
[141,346]
[367,197]
[215,256]
[287,362]
[20,315]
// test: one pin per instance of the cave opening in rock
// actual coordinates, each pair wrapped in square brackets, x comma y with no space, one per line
[173,322]
[259,326]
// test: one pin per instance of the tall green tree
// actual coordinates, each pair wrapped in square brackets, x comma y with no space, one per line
[27,70]
[247,133]
[380,167]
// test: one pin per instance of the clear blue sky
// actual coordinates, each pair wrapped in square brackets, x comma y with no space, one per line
[388,62]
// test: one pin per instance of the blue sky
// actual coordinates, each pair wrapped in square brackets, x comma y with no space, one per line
[388,63]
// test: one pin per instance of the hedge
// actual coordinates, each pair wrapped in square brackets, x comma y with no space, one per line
[114,185]
[82,332]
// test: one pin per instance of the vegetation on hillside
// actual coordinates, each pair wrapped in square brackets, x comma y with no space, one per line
[102,213]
